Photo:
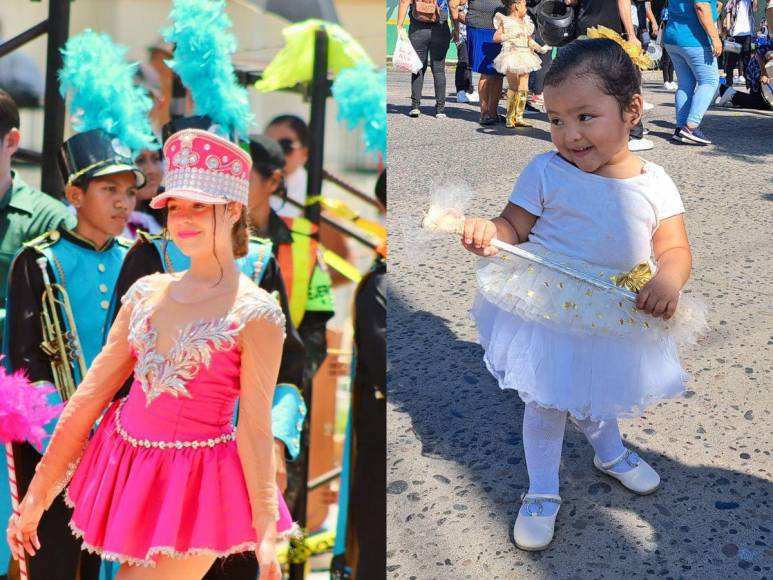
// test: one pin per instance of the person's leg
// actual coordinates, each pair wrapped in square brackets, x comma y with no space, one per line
[474,56]
[667,66]
[420,37]
[604,436]
[483,89]
[512,96]
[750,100]
[168,568]
[704,67]
[731,60]
[440,41]
[461,65]
[543,439]
[520,101]
[686,84]
[494,94]
[746,54]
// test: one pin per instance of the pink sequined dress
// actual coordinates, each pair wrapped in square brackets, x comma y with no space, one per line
[166,473]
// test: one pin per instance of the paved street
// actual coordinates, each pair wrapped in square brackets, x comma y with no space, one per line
[455,460]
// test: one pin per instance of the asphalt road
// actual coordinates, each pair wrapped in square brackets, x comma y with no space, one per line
[455,459]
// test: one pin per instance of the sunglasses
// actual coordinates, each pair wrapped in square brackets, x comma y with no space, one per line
[288,145]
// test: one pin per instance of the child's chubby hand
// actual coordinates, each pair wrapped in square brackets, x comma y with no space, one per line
[659,297]
[477,236]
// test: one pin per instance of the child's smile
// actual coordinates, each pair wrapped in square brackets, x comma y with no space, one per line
[588,128]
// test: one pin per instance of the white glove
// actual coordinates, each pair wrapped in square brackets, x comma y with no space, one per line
[545,48]
[402,33]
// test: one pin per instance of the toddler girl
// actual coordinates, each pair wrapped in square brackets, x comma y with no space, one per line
[517,58]
[595,203]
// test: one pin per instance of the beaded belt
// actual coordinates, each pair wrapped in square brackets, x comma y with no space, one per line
[167,444]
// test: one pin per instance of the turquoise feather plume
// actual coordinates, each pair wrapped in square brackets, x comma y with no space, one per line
[202,59]
[361,96]
[104,95]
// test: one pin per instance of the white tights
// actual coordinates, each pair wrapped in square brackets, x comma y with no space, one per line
[543,438]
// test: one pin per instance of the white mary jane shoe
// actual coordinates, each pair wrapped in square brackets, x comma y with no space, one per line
[534,531]
[641,478]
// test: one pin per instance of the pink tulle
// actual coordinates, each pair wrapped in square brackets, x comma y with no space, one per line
[24,408]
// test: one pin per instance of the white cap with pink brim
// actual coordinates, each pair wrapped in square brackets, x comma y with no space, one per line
[204,168]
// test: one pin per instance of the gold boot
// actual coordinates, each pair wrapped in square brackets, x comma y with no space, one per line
[520,107]
[512,104]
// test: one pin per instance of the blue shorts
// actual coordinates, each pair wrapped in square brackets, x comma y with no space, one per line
[482,50]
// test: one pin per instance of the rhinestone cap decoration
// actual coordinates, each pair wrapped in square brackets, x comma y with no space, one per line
[200,161]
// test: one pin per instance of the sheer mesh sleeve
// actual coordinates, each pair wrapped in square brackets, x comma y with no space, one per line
[261,344]
[107,373]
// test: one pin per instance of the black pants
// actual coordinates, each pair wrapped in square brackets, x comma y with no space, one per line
[750,100]
[431,42]
[668,66]
[60,555]
[732,59]
[537,77]
[463,75]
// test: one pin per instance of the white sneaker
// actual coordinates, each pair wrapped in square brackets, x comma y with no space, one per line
[640,145]
[473,97]
[726,99]
[461,97]
[640,478]
[533,530]
[648,106]
[672,86]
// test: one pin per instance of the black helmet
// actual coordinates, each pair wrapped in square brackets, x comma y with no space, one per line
[556,22]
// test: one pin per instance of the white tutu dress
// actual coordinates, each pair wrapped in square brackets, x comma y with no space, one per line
[565,346]
[516,56]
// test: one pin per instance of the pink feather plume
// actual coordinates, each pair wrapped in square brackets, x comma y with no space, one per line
[24,408]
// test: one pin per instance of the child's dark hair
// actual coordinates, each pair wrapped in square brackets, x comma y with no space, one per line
[602,58]
[508,4]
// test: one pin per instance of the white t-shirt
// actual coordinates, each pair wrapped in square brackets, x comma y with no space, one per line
[742,25]
[604,221]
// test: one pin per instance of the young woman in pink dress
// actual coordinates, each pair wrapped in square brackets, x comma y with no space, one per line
[166,484]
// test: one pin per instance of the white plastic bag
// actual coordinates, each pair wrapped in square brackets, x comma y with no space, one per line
[405,58]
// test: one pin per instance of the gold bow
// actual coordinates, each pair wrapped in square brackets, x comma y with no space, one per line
[635,279]
[639,57]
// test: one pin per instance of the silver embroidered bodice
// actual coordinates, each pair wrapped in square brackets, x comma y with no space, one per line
[196,343]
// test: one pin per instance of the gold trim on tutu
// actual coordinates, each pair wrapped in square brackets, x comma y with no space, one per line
[557,300]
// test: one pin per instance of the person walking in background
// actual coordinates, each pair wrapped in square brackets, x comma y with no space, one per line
[692,40]
[518,57]
[465,91]
[482,49]
[430,36]
[740,26]
[666,65]
[537,78]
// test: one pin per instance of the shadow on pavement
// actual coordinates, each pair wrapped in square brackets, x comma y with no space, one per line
[704,522]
